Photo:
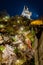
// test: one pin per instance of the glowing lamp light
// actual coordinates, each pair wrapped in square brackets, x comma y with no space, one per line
[21,28]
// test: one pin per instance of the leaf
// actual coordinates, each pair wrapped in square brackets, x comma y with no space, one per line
[2,48]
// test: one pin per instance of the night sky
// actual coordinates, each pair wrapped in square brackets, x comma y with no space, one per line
[15,7]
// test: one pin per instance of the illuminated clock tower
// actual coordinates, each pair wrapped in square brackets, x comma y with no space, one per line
[26,12]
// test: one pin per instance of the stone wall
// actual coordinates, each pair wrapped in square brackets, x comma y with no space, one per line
[41,50]
[38,47]
[36,51]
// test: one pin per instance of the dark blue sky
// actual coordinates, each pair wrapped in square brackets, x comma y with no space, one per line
[15,7]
